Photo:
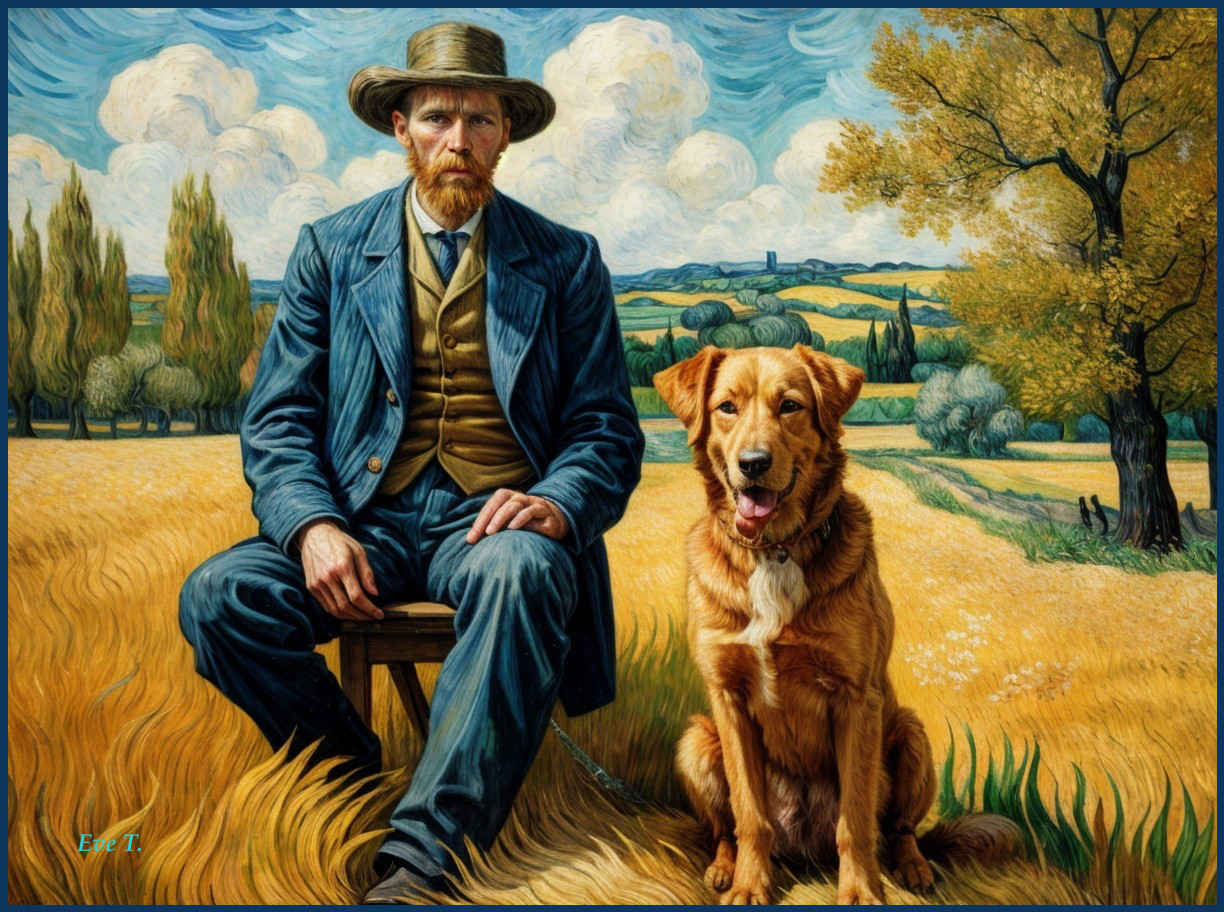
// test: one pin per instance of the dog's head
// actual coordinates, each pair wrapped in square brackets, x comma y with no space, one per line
[765,425]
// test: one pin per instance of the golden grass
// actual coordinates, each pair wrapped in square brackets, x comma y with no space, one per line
[831,296]
[888,390]
[111,731]
[1072,480]
[921,280]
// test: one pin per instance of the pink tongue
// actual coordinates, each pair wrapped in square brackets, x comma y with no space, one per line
[760,505]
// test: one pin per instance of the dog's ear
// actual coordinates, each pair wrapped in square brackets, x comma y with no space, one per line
[836,384]
[686,385]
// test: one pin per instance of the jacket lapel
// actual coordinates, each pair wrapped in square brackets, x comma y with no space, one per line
[382,295]
[514,304]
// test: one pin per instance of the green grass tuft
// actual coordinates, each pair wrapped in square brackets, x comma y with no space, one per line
[1012,791]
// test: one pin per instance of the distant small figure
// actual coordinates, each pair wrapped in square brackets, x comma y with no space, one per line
[1100,514]
[1084,514]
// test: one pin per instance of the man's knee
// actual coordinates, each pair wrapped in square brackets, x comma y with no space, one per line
[516,562]
[203,601]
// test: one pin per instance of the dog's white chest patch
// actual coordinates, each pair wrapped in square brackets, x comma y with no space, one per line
[776,592]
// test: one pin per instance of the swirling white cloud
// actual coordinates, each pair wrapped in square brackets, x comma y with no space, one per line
[624,159]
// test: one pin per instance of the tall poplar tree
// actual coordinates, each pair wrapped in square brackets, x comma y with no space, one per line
[66,320]
[24,287]
[209,326]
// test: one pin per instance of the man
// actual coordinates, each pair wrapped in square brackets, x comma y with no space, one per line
[441,412]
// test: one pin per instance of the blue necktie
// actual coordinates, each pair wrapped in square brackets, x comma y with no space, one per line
[448,252]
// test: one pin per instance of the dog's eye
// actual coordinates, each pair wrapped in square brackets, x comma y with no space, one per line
[727,408]
[788,406]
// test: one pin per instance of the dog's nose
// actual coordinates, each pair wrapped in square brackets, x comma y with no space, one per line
[754,463]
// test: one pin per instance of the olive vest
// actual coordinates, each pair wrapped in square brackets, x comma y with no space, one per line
[453,411]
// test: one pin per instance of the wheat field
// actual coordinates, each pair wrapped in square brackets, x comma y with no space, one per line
[925,281]
[111,732]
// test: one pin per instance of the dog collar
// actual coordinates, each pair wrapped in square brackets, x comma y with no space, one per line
[780,551]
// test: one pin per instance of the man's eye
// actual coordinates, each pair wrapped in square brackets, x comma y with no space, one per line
[727,408]
[788,406]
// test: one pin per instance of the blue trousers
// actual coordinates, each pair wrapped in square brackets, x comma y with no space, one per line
[254,628]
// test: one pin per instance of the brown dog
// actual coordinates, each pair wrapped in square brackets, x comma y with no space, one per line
[808,754]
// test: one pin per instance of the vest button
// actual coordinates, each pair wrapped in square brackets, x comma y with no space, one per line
[374,465]
[449,446]
[449,341]
[391,397]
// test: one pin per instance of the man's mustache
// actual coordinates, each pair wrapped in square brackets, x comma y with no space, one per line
[458,161]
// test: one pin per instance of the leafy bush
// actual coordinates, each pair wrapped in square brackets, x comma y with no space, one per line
[966,413]
[852,350]
[770,304]
[925,370]
[1091,429]
[727,335]
[1043,432]
[747,296]
[707,314]
[951,350]
[881,410]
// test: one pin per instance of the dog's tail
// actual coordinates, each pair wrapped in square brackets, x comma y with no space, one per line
[984,838]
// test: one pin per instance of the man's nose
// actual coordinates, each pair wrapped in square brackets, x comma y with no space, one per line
[458,140]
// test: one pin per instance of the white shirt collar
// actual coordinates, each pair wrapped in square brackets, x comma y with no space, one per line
[429,226]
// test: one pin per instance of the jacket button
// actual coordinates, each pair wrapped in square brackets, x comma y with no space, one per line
[449,341]
[449,446]
[374,465]
[391,397]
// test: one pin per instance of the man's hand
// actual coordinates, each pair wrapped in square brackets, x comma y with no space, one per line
[516,510]
[338,572]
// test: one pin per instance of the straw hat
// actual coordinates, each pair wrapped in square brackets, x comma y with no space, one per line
[452,54]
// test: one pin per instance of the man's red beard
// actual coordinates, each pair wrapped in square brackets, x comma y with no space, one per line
[456,197]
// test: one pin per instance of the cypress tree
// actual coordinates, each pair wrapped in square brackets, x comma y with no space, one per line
[906,348]
[873,356]
[209,326]
[24,287]
[66,321]
[115,316]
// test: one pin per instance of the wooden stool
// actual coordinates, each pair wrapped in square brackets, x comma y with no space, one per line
[409,632]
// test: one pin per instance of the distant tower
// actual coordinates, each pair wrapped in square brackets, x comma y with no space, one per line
[771,261]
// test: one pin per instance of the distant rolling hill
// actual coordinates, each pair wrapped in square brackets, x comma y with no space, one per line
[261,289]
[651,280]
[663,279]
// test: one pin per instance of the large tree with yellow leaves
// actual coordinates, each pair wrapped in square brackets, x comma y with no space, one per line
[1096,292]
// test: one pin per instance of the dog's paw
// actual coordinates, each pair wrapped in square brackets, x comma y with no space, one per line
[915,875]
[757,895]
[720,874]
[860,891]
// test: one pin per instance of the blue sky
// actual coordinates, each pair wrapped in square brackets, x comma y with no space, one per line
[263,108]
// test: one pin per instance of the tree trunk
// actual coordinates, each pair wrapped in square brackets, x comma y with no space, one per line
[23,427]
[144,421]
[163,423]
[1070,432]
[1205,427]
[114,423]
[78,429]
[1138,442]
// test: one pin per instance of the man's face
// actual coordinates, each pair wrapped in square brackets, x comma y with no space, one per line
[454,138]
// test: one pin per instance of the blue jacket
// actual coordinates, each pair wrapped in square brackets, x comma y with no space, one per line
[318,410]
